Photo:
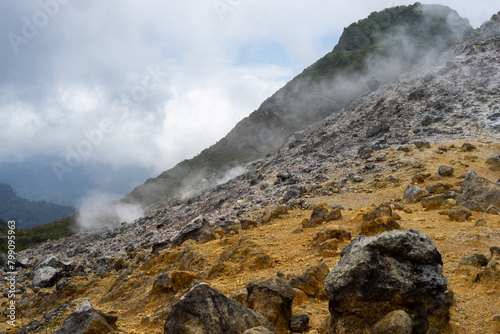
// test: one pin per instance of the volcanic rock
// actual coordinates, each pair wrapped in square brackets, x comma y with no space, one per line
[273,299]
[396,322]
[205,310]
[299,323]
[199,230]
[376,275]
[87,320]
[378,220]
[414,194]
[322,213]
[478,193]
[162,284]
[258,330]
[433,202]
[494,163]
[45,277]
[330,232]
[446,170]
[459,213]
[311,281]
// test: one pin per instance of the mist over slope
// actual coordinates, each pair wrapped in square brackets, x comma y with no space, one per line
[385,44]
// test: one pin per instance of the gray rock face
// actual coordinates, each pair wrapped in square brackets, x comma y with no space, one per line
[206,310]
[414,194]
[46,277]
[199,230]
[478,193]
[273,299]
[377,275]
[87,320]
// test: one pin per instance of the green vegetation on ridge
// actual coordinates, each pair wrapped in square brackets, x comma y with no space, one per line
[26,238]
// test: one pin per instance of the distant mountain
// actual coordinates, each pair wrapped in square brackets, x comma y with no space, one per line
[35,179]
[384,45]
[28,213]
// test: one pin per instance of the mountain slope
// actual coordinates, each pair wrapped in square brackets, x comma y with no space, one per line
[385,44]
[28,213]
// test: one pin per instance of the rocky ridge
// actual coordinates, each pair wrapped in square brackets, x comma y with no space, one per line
[252,227]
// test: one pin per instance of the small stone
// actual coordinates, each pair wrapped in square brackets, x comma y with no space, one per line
[433,202]
[443,148]
[475,260]
[480,223]
[459,213]
[396,322]
[322,213]
[492,210]
[494,163]
[495,251]
[417,178]
[446,170]
[357,179]
[450,202]
[466,147]
[439,188]
[258,330]
[86,319]
[162,284]
[422,144]
[299,323]
[414,194]
[273,299]
[311,281]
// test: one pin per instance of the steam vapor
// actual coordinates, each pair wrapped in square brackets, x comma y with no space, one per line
[99,210]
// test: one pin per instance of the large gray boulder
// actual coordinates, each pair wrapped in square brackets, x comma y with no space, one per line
[396,270]
[87,320]
[204,310]
[478,193]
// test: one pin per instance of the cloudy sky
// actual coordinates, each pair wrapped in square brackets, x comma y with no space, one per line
[153,82]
